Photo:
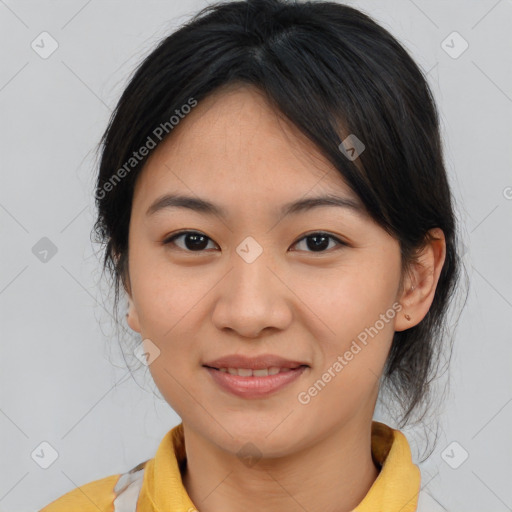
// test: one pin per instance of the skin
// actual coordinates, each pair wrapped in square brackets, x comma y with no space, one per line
[234,150]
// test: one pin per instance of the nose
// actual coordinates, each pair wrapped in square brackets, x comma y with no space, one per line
[252,297]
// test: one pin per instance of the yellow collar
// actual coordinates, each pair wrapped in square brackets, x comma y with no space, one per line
[395,489]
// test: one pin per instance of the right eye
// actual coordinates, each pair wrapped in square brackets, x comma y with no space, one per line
[193,241]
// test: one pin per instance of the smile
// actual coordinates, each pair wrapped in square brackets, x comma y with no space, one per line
[250,384]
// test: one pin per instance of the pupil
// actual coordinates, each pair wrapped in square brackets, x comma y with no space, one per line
[197,244]
[318,245]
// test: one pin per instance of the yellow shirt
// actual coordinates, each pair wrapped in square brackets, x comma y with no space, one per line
[156,485]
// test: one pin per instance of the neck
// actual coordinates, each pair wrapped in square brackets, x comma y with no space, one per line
[343,473]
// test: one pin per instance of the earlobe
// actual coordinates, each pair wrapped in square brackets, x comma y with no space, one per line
[421,284]
[132,317]
[405,319]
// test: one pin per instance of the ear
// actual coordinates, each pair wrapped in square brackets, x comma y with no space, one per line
[421,282]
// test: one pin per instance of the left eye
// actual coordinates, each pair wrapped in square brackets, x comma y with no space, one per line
[320,241]
[197,242]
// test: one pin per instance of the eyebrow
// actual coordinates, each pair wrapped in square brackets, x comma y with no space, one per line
[206,207]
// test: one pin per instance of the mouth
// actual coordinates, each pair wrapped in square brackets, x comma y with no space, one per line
[253,384]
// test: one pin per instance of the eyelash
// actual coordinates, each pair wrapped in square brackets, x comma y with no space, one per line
[341,243]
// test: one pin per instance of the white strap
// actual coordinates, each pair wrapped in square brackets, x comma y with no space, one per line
[127,491]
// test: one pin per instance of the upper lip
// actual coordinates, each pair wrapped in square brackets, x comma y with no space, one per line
[253,363]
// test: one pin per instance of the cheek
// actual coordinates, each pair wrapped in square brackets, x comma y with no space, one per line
[355,306]
[165,304]
[347,377]
[165,294]
[348,299]
[167,298]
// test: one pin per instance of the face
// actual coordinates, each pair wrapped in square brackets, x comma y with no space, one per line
[314,286]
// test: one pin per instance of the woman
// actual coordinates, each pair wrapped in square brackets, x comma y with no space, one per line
[273,203]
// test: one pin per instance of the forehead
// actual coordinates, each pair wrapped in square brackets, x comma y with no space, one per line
[233,143]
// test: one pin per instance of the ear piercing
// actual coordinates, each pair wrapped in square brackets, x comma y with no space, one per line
[408,317]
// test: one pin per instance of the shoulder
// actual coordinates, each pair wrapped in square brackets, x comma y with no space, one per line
[91,497]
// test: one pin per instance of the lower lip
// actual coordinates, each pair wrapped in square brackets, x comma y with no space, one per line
[254,387]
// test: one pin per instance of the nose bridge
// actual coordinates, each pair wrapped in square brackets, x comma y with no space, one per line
[250,258]
[251,298]
[250,275]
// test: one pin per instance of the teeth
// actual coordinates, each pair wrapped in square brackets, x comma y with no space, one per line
[247,372]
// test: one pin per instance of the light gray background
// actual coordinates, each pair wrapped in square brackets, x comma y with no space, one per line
[63,379]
